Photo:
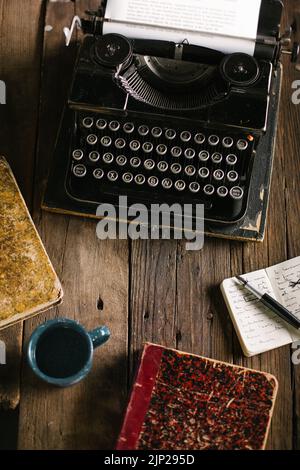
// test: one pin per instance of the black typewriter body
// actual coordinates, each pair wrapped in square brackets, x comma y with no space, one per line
[161,130]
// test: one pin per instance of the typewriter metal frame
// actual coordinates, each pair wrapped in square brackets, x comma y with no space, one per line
[84,98]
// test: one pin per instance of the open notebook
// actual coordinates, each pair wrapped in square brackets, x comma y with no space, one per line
[258,328]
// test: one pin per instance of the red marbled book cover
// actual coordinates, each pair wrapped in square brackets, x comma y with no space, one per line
[185,402]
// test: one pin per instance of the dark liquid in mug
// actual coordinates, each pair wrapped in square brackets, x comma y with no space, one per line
[62,352]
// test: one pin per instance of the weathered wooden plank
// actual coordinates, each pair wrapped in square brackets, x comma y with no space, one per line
[20,52]
[94,275]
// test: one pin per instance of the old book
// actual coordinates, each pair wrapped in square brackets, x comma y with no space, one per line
[185,402]
[28,283]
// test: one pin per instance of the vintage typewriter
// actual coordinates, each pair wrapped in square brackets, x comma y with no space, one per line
[171,123]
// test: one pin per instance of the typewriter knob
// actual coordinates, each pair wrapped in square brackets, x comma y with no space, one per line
[113,50]
[240,69]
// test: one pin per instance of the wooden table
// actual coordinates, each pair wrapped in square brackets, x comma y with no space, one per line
[144,291]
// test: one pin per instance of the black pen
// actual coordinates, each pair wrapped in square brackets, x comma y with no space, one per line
[272,304]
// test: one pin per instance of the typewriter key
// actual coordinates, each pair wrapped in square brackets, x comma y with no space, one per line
[167,183]
[121,160]
[101,124]
[140,179]
[79,170]
[176,152]
[94,156]
[147,147]
[217,158]
[199,139]
[242,144]
[190,170]
[231,159]
[209,189]
[98,173]
[114,126]
[127,178]
[128,127]
[162,166]
[204,156]
[170,134]
[218,175]
[194,187]
[112,176]
[106,141]
[135,145]
[120,143]
[213,140]
[204,172]
[135,162]
[227,142]
[92,139]
[176,168]
[108,158]
[180,185]
[88,122]
[236,193]
[222,191]
[189,153]
[185,136]
[77,154]
[156,132]
[143,131]
[161,149]
[149,164]
[232,176]
[153,181]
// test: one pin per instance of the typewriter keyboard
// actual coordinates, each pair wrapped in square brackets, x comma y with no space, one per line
[161,163]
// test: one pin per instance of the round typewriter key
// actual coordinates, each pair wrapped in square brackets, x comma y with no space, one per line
[149,164]
[242,144]
[232,176]
[199,138]
[147,147]
[92,139]
[213,140]
[79,170]
[231,159]
[121,160]
[135,145]
[127,177]
[98,173]
[120,143]
[140,179]
[176,168]
[153,181]
[180,185]
[135,162]
[190,170]
[167,183]
[161,149]
[108,158]
[222,191]
[194,187]
[77,154]
[156,132]
[218,175]
[204,172]
[128,127]
[204,156]
[101,124]
[88,122]
[143,130]
[112,176]
[114,126]
[236,193]
[176,152]
[189,153]
[185,136]
[170,134]
[106,141]
[209,189]
[162,166]
[227,142]
[217,158]
[94,156]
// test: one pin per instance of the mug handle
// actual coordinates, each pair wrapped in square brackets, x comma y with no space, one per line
[99,336]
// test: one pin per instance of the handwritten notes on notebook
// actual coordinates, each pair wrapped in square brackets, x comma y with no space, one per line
[258,328]
[223,25]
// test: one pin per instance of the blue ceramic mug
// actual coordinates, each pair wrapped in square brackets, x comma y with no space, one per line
[61,351]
